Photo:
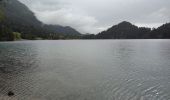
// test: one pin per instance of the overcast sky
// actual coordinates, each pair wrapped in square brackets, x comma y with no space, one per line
[93,16]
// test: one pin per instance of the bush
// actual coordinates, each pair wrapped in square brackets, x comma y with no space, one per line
[17,36]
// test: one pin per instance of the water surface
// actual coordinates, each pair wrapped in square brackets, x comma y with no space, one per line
[86,69]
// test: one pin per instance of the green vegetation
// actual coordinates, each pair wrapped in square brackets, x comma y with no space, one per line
[6,34]
[16,36]
[1,15]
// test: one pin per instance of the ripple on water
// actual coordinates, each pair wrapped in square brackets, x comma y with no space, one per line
[117,70]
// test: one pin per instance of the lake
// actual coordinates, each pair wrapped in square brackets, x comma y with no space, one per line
[86,69]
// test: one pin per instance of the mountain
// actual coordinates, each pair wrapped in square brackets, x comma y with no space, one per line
[18,14]
[19,18]
[162,32]
[124,30]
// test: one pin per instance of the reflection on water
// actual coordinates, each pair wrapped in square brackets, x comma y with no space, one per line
[86,70]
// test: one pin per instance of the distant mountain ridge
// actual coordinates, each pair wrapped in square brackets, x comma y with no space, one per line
[21,19]
[126,30]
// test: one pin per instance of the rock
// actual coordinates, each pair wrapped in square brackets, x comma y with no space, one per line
[10,93]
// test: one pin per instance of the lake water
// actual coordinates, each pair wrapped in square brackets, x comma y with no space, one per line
[86,69]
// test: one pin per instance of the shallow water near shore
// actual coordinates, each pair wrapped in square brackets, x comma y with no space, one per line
[86,69]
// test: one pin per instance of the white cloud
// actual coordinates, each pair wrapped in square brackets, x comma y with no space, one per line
[68,17]
[151,25]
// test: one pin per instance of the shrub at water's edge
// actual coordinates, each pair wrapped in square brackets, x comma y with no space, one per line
[16,36]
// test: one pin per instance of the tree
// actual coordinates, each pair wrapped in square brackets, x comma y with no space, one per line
[1,15]
[6,34]
[17,36]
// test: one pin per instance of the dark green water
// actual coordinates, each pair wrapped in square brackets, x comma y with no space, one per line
[86,69]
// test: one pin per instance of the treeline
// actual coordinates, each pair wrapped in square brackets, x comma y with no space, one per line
[126,30]
[5,32]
